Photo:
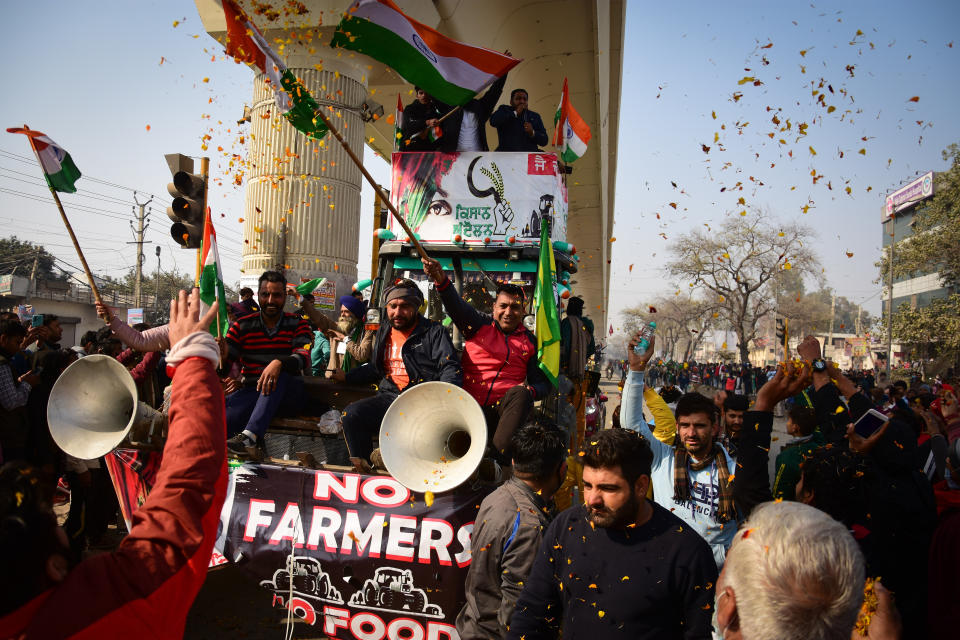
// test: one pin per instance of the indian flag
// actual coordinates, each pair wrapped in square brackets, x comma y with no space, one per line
[545,309]
[572,134]
[246,44]
[211,281]
[450,71]
[398,125]
[57,165]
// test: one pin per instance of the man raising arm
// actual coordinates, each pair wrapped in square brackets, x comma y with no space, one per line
[500,366]
[145,587]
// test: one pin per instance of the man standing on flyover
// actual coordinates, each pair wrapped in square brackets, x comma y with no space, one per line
[518,128]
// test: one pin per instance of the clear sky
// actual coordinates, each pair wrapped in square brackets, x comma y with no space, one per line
[95,76]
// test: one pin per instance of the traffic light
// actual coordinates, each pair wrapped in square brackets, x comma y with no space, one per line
[189,202]
[782,330]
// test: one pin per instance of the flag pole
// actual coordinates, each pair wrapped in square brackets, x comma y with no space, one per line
[66,222]
[205,172]
[439,122]
[373,183]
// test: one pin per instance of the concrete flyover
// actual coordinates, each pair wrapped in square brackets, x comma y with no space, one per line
[291,187]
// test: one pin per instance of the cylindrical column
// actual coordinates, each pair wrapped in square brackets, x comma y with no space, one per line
[312,187]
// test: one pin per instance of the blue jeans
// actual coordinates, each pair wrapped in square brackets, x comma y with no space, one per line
[248,409]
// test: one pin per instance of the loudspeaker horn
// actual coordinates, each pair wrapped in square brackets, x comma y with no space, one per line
[93,407]
[432,437]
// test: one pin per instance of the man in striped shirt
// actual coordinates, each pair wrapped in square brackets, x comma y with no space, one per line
[273,349]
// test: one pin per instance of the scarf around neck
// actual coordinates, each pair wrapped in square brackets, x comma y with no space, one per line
[682,465]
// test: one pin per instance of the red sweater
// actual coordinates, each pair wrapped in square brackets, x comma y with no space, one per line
[146,587]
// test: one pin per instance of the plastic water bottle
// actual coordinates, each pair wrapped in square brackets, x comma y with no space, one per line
[645,335]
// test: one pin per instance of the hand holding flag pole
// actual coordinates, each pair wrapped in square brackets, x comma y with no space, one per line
[64,159]
[373,183]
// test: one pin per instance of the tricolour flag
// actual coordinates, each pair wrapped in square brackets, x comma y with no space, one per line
[571,134]
[450,71]
[57,165]
[246,44]
[545,309]
[211,280]
[398,124]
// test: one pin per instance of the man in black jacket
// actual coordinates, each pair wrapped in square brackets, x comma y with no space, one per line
[420,118]
[466,130]
[619,565]
[518,128]
[407,350]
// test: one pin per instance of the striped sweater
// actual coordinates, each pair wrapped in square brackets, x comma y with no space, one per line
[254,346]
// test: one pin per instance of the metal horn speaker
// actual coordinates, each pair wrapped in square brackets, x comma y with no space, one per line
[432,437]
[93,407]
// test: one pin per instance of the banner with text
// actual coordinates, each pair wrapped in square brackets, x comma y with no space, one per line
[369,559]
[478,198]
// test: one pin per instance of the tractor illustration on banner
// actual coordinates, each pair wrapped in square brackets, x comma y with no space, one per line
[392,589]
[306,578]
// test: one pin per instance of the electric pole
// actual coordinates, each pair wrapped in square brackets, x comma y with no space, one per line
[32,287]
[138,232]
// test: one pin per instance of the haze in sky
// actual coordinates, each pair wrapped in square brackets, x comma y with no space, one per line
[119,84]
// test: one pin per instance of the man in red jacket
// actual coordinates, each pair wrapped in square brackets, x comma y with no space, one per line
[146,587]
[499,358]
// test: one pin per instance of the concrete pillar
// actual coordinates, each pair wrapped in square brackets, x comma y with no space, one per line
[312,188]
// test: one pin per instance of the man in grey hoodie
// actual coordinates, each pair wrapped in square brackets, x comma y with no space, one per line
[508,531]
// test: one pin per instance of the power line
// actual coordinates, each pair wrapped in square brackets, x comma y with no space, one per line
[32,161]
[34,180]
[73,206]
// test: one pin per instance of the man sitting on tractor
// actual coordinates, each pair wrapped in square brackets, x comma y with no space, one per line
[407,350]
[499,358]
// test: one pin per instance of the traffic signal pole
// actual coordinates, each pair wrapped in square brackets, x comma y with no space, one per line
[205,173]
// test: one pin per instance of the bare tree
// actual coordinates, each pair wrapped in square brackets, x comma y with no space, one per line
[739,263]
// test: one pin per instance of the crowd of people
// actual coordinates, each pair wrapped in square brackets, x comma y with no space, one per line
[682,531]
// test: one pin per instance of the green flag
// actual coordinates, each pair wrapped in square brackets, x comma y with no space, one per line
[309,287]
[545,308]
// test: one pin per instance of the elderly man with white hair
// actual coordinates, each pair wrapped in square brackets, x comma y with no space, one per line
[795,573]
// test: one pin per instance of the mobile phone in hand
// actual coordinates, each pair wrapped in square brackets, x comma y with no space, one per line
[36,320]
[869,423]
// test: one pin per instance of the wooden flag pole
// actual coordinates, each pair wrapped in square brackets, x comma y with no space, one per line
[439,122]
[373,183]
[205,172]
[73,237]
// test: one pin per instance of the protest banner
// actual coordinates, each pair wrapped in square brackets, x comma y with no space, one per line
[478,198]
[354,555]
